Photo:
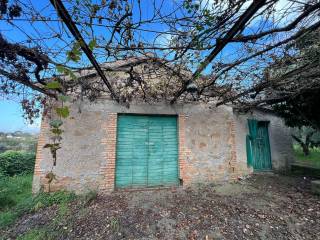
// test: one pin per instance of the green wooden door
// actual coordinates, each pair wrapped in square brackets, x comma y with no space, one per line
[258,145]
[147,151]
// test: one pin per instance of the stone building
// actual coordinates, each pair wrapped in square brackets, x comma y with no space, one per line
[108,146]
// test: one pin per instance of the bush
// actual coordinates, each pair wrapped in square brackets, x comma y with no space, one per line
[16,163]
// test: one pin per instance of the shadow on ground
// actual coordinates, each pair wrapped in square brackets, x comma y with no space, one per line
[265,206]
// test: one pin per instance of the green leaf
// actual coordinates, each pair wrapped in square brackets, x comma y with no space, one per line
[53,85]
[57,131]
[73,55]
[63,112]
[72,75]
[60,68]
[92,44]
[56,123]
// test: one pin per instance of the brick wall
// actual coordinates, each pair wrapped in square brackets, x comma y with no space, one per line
[109,142]
[233,168]
[211,145]
[39,173]
[182,149]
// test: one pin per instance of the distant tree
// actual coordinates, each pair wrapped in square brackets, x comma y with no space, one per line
[3,147]
[19,142]
[306,137]
[302,108]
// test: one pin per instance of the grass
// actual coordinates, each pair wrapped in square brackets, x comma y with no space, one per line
[16,199]
[59,225]
[36,234]
[313,159]
[14,192]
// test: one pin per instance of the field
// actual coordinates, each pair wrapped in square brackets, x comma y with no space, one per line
[313,159]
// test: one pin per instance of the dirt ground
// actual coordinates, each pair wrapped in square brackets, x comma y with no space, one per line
[264,206]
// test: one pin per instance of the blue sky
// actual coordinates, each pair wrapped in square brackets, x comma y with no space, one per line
[11,118]
[10,111]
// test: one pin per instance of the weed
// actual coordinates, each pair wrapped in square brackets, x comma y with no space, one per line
[14,189]
[7,218]
[16,199]
[63,210]
[39,234]
[34,234]
[115,224]
[88,197]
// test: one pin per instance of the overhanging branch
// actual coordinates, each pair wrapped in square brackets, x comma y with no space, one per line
[236,28]
[63,13]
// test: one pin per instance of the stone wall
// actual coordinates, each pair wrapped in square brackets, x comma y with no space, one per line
[211,145]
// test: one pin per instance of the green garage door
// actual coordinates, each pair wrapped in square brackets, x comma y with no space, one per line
[147,151]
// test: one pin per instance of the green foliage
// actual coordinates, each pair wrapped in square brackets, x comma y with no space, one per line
[303,131]
[92,44]
[313,159]
[56,123]
[53,85]
[17,141]
[48,199]
[14,191]
[7,218]
[16,199]
[44,233]
[75,53]
[115,224]
[35,234]
[60,68]
[66,71]
[15,163]
[301,110]
[63,111]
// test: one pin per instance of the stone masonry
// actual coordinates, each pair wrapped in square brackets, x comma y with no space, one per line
[211,145]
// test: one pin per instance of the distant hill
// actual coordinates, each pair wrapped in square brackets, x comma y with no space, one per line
[18,141]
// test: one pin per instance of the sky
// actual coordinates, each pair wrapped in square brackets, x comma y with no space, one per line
[11,118]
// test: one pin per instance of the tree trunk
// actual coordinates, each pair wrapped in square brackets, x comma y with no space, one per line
[305,146]
[305,149]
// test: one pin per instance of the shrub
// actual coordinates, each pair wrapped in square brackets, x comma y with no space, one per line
[16,163]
